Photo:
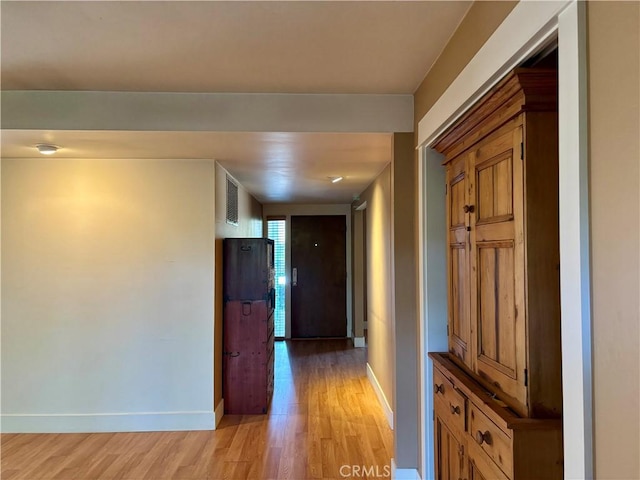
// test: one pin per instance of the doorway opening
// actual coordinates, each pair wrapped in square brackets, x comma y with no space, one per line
[567,21]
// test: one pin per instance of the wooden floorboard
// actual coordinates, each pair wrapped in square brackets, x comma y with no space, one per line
[324,416]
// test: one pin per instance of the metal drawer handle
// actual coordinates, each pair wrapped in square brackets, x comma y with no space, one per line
[483,437]
[438,388]
[455,409]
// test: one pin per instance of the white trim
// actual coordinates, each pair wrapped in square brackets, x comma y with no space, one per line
[388,412]
[575,284]
[218,414]
[403,473]
[529,26]
[433,289]
[423,370]
[107,422]
[358,342]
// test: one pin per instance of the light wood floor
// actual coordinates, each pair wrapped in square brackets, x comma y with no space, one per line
[324,415]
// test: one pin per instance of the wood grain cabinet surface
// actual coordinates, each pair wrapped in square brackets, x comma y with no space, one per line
[248,329]
[501,161]
[486,438]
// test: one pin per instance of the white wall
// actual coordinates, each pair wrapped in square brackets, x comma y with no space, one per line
[107,318]
[287,210]
[249,210]
[249,226]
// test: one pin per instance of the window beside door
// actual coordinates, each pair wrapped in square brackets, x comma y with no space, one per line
[276,231]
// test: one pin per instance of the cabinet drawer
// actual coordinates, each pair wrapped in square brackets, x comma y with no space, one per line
[452,401]
[481,467]
[496,443]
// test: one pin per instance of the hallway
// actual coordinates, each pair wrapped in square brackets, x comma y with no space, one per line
[325,422]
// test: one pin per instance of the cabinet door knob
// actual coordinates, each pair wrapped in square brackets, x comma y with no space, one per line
[469,208]
[483,437]
[455,409]
[438,388]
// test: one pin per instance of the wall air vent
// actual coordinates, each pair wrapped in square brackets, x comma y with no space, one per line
[232,201]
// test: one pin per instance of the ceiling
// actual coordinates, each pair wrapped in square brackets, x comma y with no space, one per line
[266,164]
[236,46]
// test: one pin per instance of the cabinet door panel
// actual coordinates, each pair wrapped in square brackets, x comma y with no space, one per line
[496,305]
[459,327]
[458,261]
[497,309]
[494,189]
[449,458]
[457,200]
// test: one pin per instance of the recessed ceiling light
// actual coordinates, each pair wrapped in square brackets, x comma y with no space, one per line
[335,179]
[47,148]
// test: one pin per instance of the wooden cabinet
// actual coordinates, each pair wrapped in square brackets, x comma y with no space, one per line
[497,268]
[503,247]
[477,436]
[248,329]
[498,389]
[248,269]
[459,324]
[450,427]
[449,448]
[480,468]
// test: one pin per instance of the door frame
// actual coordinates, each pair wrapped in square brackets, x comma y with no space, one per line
[529,26]
[287,211]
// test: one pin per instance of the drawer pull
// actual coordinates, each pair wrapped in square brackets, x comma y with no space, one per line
[455,409]
[438,388]
[483,437]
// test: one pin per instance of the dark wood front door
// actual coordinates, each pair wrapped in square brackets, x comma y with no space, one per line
[319,276]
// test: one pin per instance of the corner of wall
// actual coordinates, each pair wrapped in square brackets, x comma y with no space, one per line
[250,224]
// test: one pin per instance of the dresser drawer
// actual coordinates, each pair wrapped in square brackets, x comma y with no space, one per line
[481,467]
[452,401]
[496,443]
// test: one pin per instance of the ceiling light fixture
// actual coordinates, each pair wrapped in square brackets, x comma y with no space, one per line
[47,148]
[335,179]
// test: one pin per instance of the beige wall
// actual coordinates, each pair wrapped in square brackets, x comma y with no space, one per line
[107,286]
[404,173]
[249,225]
[613,83]
[358,280]
[477,26]
[381,337]
[614,106]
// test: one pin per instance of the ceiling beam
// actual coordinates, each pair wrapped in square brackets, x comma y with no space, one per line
[221,112]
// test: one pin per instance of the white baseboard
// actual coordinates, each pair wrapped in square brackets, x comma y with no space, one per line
[381,396]
[107,422]
[218,414]
[358,342]
[403,473]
